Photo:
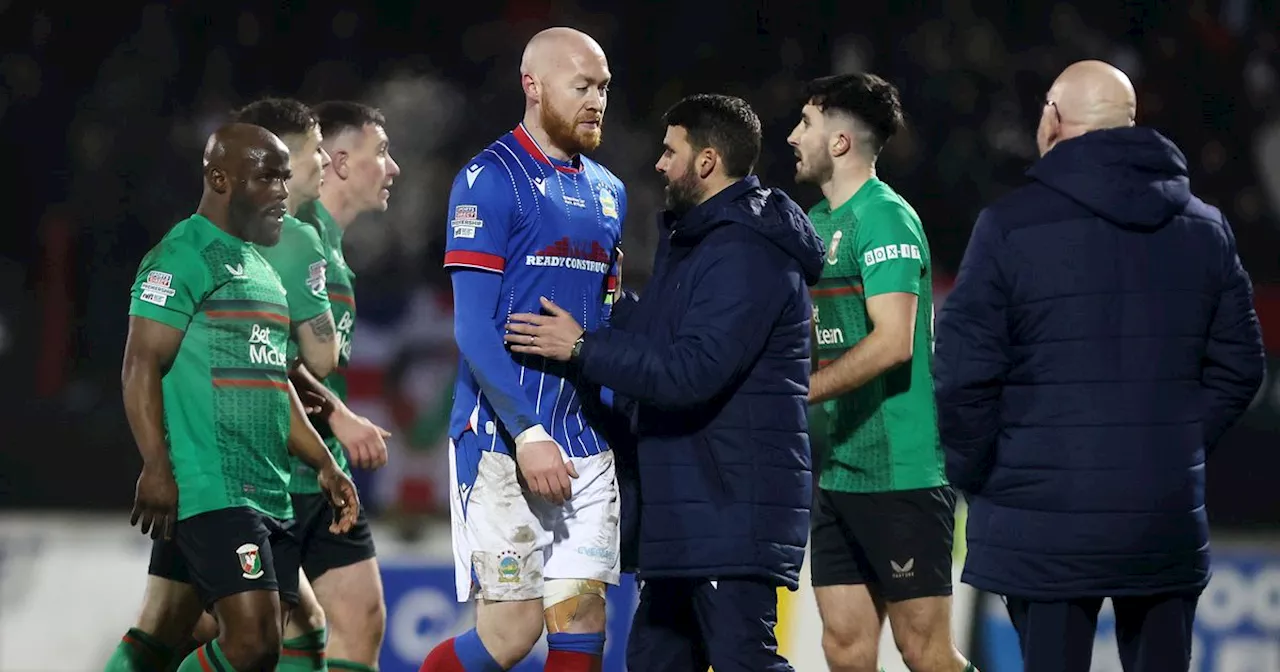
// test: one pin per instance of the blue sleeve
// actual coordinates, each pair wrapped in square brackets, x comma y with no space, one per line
[1234,356]
[476,296]
[971,359]
[735,301]
[483,212]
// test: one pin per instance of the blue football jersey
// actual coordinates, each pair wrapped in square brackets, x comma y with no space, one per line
[550,228]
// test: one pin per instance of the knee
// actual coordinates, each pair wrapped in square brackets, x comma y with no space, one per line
[206,629]
[575,606]
[307,615]
[510,641]
[255,646]
[849,651]
[924,653]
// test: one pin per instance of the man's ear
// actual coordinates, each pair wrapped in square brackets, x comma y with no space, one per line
[338,162]
[706,162]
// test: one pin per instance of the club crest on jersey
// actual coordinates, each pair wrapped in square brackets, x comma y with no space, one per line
[508,567]
[608,207]
[250,561]
[835,244]
[466,219]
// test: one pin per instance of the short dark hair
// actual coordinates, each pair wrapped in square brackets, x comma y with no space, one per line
[282,116]
[339,116]
[724,123]
[868,98]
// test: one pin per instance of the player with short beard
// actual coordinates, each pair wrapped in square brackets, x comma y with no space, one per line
[209,402]
[884,515]
[532,217]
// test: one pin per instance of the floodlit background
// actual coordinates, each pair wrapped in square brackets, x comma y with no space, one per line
[104,108]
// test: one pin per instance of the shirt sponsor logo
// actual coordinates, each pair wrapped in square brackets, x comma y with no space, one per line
[261,350]
[466,219]
[826,336]
[344,335]
[889,252]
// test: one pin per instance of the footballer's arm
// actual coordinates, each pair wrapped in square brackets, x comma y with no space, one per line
[365,442]
[889,345]
[318,344]
[305,444]
[148,352]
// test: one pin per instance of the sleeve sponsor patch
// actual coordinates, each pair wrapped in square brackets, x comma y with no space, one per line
[466,219]
[316,273]
[887,252]
[157,288]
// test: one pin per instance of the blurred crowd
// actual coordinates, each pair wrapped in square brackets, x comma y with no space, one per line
[106,111]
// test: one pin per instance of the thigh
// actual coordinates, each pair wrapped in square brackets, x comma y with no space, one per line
[286,558]
[906,537]
[170,609]
[1055,636]
[836,559]
[584,530]
[1154,632]
[850,614]
[321,549]
[228,551]
[737,618]
[665,636]
[167,563]
[351,594]
[498,541]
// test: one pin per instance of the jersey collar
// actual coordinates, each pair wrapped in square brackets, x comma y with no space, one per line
[531,146]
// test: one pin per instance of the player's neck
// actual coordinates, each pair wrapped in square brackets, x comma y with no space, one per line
[533,124]
[342,210]
[216,213]
[845,183]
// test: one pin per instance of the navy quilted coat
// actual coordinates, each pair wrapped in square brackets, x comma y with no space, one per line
[1099,340]
[714,362]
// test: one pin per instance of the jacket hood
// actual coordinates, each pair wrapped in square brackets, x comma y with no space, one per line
[1133,177]
[769,212]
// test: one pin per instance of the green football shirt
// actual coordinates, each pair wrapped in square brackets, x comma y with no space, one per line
[340,289]
[226,396]
[883,436]
[301,262]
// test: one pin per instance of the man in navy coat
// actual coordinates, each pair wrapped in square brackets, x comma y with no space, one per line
[713,363]
[1099,341]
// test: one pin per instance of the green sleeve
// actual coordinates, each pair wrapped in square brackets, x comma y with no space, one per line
[172,282]
[888,250]
[300,261]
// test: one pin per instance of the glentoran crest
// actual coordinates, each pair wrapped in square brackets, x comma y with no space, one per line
[250,561]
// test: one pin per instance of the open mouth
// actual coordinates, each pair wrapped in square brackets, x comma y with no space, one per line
[277,212]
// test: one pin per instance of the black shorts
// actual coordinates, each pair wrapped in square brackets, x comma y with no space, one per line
[896,543]
[230,551]
[323,550]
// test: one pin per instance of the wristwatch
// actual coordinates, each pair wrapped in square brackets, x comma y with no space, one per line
[577,348]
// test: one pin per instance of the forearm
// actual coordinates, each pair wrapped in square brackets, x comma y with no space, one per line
[144,408]
[305,381]
[873,356]
[304,442]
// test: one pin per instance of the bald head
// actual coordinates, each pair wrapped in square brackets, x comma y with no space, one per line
[246,170]
[234,145]
[1087,96]
[558,49]
[565,77]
